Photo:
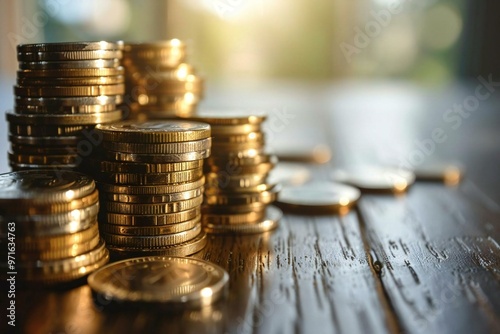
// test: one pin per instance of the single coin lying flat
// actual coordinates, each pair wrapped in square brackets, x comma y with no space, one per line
[375,179]
[318,198]
[173,281]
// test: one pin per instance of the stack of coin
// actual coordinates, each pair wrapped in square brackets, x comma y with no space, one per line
[63,90]
[237,193]
[48,225]
[159,84]
[150,176]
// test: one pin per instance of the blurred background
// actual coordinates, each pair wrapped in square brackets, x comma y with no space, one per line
[371,78]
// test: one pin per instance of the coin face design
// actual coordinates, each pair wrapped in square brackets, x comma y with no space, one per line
[163,279]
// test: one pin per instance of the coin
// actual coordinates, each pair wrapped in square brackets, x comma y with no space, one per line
[69,46]
[226,180]
[371,178]
[318,198]
[151,190]
[48,130]
[65,119]
[71,72]
[43,150]
[243,198]
[239,129]
[75,64]
[182,249]
[73,91]
[159,148]
[155,132]
[151,199]
[228,117]
[270,222]
[152,209]
[67,159]
[448,173]
[159,158]
[150,230]
[69,55]
[149,220]
[151,178]
[68,102]
[151,241]
[42,187]
[78,81]
[137,167]
[49,141]
[225,219]
[172,281]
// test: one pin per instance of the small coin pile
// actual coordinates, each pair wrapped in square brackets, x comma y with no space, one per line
[48,225]
[150,177]
[63,90]
[237,194]
[173,282]
[159,84]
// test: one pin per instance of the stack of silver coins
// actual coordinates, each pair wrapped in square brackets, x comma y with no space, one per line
[63,90]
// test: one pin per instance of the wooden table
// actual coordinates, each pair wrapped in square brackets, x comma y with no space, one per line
[424,262]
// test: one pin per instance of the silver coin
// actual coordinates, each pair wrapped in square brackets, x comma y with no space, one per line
[371,178]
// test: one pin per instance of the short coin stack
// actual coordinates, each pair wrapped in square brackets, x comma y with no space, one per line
[237,194]
[159,84]
[151,183]
[63,90]
[48,221]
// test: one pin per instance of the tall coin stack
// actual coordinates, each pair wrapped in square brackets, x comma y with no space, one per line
[63,90]
[159,84]
[150,177]
[237,194]
[48,225]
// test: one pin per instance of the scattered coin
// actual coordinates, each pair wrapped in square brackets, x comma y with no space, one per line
[376,179]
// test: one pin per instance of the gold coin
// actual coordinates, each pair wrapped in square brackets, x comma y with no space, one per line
[48,244]
[223,148]
[225,219]
[154,131]
[152,209]
[183,249]
[266,197]
[82,109]
[228,181]
[76,119]
[74,64]
[185,286]
[60,253]
[64,222]
[151,178]
[239,138]
[152,199]
[235,209]
[46,131]
[169,54]
[186,281]
[318,198]
[71,72]
[151,190]
[137,75]
[231,161]
[68,55]
[154,101]
[228,117]
[159,148]
[191,84]
[42,187]
[158,158]
[50,91]
[78,81]
[70,159]
[27,208]
[169,112]
[70,46]
[16,167]
[60,103]
[270,222]
[149,220]
[129,167]
[151,241]
[228,130]
[64,269]
[262,168]
[150,230]
[50,141]
[43,150]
